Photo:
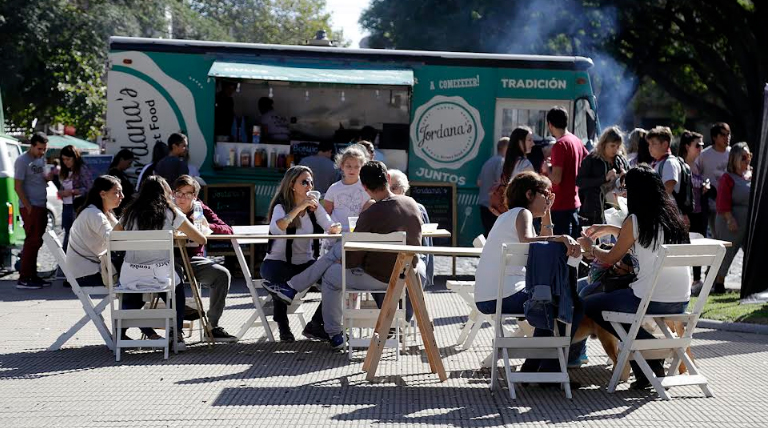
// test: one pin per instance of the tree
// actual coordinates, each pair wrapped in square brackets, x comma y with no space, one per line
[268,21]
[54,52]
[708,55]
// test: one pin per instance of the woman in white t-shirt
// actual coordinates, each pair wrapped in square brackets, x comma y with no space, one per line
[87,237]
[153,209]
[653,220]
[528,196]
[294,212]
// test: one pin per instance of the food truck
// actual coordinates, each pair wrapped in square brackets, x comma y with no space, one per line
[437,115]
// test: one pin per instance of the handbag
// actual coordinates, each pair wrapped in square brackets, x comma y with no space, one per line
[103,266]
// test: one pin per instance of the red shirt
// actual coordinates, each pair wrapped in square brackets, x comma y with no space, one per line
[567,154]
[216,224]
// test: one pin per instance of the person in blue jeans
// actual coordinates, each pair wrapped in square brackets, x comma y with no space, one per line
[528,196]
[653,220]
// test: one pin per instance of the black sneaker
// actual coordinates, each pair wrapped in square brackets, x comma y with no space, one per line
[286,336]
[221,335]
[41,281]
[28,284]
[718,288]
[315,331]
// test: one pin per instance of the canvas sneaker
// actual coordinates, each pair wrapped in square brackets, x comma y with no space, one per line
[280,290]
[28,284]
[337,341]
[315,331]
[221,335]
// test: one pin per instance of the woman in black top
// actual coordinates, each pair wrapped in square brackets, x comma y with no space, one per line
[598,174]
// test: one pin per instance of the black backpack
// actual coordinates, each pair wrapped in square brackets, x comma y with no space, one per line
[684,197]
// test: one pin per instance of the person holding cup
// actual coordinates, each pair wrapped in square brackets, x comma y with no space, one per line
[295,209]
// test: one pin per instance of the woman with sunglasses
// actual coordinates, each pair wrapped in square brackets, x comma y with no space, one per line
[294,211]
[691,145]
[732,207]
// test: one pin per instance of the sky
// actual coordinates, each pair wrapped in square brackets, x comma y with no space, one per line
[344,14]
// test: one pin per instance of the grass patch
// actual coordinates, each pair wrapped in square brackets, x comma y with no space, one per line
[725,307]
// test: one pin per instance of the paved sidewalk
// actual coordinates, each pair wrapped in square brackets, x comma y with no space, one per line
[257,383]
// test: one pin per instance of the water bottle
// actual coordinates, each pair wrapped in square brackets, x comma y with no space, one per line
[197,215]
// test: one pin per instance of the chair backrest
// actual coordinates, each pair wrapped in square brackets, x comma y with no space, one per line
[682,255]
[140,240]
[54,246]
[259,229]
[512,254]
[392,238]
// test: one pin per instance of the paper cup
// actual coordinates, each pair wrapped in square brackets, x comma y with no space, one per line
[352,223]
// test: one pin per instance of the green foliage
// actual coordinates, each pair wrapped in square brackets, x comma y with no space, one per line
[708,55]
[54,52]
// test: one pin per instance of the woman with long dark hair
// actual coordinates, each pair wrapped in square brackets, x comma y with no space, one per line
[515,162]
[294,211]
[653,220]
[75,179]
[120,163]
[153,209]
[89,231]
[598,173]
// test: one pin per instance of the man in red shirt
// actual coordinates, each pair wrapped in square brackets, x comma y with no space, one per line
[567,154]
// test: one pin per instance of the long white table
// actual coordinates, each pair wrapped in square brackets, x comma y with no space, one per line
[256,234]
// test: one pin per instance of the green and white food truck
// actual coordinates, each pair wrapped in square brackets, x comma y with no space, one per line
[437,115]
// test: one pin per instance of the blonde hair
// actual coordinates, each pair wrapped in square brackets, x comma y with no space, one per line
[611,134]
[354,151]
[284,195]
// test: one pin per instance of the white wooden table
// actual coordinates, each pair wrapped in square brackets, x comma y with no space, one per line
[403,275]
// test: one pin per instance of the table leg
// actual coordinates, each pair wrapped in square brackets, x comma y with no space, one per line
[416,294]
[195,291]
[386,315]
[259,313]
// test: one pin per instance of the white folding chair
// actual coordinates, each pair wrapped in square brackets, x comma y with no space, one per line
[526,347]
[92,312]
[161,317]
[356,314]
[640,350]
[476,319]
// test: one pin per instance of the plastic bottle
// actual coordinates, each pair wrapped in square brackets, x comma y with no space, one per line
[197,215]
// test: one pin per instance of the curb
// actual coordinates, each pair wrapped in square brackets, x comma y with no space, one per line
[739,327]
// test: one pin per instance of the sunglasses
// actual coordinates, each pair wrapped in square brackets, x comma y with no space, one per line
[700,145]
[307,182]
[746,158]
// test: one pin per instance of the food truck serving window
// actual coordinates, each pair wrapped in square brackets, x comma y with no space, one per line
[316,73]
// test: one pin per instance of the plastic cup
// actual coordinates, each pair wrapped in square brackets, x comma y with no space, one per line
[352,223]
[314,194]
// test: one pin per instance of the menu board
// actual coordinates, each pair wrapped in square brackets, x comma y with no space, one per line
[303,149]
[234,203]
[440,201]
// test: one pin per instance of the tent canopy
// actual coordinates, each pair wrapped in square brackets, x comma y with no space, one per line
[59,141]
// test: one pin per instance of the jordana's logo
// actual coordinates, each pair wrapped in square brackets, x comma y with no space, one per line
[446,132]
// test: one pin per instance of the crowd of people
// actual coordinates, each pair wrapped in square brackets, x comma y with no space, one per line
[667,195]
[699,190]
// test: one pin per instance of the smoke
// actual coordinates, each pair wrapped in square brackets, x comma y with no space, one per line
[567,27]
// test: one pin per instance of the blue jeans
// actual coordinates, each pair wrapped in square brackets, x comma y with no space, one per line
[280,271]
[512,304]
[579,349]
[566,222]
[626,301]
[67,218]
